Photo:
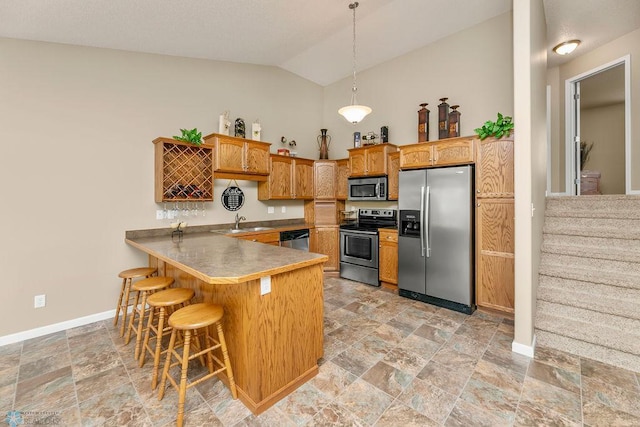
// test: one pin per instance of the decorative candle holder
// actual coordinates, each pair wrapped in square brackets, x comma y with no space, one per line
[423,123]
[443,119]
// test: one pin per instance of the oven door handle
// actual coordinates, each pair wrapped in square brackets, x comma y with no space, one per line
[422,221]
[356,232]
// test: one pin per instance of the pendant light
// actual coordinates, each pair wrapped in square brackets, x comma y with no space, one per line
[354,113]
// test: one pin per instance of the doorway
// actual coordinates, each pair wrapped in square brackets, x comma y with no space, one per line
[598,130]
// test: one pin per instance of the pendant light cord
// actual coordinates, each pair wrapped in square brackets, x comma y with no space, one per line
[354,89]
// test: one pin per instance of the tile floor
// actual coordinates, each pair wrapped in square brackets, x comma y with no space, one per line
[388,361]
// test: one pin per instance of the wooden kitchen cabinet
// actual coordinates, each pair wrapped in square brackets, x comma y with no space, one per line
[239,158]
[388,261]
[183,171]
[370,160]
[445,152]
[495,245]
[289,178]
[342,177]
[393,176]
[324,179]
[327,243]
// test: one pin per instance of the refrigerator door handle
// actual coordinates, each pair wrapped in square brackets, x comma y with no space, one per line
[422,220]
[426,222]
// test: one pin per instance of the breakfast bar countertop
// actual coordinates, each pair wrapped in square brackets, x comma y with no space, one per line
[219,259]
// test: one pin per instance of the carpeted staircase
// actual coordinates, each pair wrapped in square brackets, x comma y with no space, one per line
[589,283]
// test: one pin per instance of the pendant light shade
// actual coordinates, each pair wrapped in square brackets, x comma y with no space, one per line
[354,113]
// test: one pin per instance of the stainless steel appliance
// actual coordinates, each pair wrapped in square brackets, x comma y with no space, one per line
[435,237]
[370,188]
[359,244]
[295,239]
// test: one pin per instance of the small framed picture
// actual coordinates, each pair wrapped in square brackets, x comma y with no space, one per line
[356,140]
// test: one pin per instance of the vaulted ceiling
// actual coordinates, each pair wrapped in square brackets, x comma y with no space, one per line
[310,38]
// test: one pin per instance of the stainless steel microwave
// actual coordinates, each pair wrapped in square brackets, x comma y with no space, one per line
[374,188]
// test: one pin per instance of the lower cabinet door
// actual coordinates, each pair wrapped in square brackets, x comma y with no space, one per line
[327,243]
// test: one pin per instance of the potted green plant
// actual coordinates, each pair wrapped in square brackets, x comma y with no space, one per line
[192,136]
[501,127]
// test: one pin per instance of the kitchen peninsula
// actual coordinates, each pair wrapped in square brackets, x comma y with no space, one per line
[273,306]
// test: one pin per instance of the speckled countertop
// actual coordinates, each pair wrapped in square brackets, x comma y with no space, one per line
[218,259]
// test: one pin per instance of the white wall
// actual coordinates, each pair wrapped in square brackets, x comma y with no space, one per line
[530,63]
[77,161]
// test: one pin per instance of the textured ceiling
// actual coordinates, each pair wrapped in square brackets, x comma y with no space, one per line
[311,38]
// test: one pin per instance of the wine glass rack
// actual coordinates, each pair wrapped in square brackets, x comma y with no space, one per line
[183,171]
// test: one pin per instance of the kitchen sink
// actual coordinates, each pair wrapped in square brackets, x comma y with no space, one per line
[249,229]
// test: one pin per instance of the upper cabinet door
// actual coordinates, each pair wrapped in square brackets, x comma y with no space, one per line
[325,179]
[303,178]
[376,160]
[257,157]
[229,155]
[453,152]
[342,177]
[280,178]
[393,177]
[357,162]
[494,167]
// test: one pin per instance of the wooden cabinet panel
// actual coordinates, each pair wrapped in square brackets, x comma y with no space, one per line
[393,178]
[268,238]
[342,176]
[257,157]
[494,167]
[302,178]
[495,253]
[327,243]
[453,152]
[239,157]
[370,160]
[415,156]
[388,263]
[357,163]
[290,178]
[325,179]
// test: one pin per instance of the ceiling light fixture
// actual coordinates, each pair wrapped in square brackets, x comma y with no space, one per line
[567,47]
[354,113]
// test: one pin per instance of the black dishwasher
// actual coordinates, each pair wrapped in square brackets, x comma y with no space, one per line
[295,239]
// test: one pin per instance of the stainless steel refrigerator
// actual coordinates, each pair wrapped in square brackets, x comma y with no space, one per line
[435,237]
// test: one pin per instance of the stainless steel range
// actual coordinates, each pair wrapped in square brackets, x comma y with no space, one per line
[359,244]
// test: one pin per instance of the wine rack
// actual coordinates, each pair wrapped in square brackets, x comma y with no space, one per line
[183,171]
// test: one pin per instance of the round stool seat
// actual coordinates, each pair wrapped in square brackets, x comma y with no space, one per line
[196,316]
[170,297]
[134,273]
[152,283]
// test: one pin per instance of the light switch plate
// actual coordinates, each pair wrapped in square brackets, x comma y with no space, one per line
[284,209]
[265,285]
[271,210]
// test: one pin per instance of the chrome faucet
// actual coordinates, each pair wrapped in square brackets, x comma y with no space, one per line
[238,219]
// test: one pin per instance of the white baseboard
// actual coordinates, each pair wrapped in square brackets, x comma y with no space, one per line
[56,327]
[525,350]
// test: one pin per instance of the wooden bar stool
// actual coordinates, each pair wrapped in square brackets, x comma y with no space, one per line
[143,288]
[187,320]
[162,303]
[123,301]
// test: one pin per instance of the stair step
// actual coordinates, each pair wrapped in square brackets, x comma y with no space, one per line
[600,265]
[599,298]
[584,349]
[597,252]
[605,214]
[595,319]
[603,203]
[593,275]
[596,227]
[548,319]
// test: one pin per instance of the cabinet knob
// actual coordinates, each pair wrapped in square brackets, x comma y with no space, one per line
[478,191]
[254,240]
[478,205]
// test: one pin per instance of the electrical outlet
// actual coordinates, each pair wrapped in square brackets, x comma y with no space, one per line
[265,285]
[39,301]
[284,209]
[159,214]
[271,209]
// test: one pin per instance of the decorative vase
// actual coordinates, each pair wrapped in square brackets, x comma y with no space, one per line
[423,123]
[454,122]
[239,130]
[443,119]
[324,141]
